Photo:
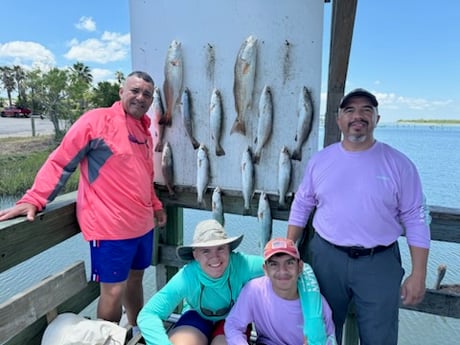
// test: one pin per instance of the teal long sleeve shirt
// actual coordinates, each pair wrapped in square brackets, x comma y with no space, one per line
[186,285]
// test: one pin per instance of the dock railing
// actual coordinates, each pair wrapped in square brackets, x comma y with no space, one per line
[24,317]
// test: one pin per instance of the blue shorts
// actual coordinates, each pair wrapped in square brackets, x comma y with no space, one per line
[111,260]
[209,328]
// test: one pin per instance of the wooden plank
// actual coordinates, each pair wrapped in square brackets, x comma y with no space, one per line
[52,226]
[25,308]
[438,303]
[232,201]
[32,334]
[445,224]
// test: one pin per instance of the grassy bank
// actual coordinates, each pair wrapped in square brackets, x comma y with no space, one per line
[20,160]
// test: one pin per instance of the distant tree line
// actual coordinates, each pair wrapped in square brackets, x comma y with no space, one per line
[60,94]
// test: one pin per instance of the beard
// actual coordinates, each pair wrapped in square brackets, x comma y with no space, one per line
[357,138]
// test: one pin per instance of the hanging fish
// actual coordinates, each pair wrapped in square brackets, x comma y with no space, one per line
[215,119]
[264,215]
[304,121]
[265,124]
[158,113]
[247,178]
[202,173]
[174,73]
[217,206]
[186,111]
[244,80]
[167,169]
[284,176]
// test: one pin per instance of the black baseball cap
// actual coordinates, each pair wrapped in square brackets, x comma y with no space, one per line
[358,92]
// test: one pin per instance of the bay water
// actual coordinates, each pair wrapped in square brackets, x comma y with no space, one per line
[435,150]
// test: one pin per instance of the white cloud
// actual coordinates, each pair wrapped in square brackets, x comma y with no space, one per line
[86,24]
[24,53]
[101,74]
[110,47]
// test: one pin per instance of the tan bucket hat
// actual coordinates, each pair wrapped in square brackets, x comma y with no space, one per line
[208,233]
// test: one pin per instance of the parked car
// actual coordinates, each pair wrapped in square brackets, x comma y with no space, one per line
[14,111]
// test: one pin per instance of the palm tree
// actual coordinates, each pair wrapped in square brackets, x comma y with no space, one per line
[8,81]
[81,72]
[80,83]
[120,77]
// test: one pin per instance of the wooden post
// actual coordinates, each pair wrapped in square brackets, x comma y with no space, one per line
[343,18]
[32,122]
[172,235]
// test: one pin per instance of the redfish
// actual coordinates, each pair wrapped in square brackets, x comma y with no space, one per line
[244,80]
[172,85]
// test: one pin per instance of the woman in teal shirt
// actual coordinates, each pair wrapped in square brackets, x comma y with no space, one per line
[209,286]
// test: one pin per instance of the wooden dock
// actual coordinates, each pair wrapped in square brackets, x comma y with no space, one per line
[24,317]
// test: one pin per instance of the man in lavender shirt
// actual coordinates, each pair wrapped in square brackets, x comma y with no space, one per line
[365,195]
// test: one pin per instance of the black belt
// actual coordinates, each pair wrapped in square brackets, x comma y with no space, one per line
[356,252]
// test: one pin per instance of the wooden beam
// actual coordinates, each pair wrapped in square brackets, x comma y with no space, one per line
[25,308]
[438,303]
[343,19]
[52,226]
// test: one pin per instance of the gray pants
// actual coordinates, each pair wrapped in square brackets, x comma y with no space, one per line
[373,284]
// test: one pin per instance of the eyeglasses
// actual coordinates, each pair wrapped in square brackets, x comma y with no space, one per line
[134,140]
[218,312]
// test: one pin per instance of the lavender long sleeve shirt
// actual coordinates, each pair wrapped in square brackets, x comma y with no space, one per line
[363,198]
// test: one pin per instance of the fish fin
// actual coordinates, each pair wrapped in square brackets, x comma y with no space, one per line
[238,127]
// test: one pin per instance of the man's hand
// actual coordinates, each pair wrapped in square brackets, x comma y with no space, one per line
[24,209]
[413,290]
[160,217]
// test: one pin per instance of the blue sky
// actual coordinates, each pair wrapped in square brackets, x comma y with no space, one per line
[406,52]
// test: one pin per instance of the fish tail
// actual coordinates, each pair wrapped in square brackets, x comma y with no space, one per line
[195,143]
[282,204]
[220,151]
[159,147]
[256,158]
[297,154]
[238,127]
[166,119]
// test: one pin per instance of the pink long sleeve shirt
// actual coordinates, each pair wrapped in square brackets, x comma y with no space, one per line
[116,198]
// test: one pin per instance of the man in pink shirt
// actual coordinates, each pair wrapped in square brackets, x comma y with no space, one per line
[116,204]
[365,195]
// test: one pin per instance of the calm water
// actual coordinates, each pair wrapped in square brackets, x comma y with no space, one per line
[435,151]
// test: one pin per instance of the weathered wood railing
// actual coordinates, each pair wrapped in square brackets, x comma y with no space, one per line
[58,223]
